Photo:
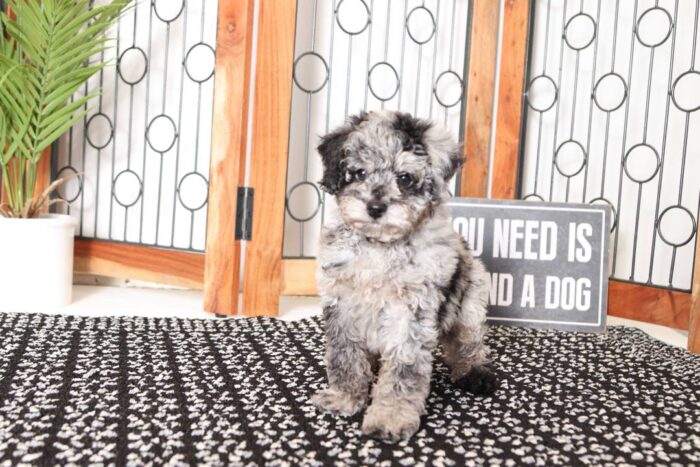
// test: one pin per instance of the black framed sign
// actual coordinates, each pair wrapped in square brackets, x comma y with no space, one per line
[548,262]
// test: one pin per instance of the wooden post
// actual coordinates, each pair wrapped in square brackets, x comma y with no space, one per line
[483,45]
[270,148]
[694,325]
[231,91]
[516,23]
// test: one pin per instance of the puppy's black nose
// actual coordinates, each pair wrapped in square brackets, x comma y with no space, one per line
[376,209]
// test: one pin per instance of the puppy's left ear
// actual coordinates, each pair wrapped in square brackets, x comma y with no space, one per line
[445,153]
[333,156]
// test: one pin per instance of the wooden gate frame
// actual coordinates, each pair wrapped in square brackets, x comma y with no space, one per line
[652,304]
[217,271]
[267,275]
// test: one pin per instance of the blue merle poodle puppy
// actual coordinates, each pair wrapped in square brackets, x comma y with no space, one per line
[394,277]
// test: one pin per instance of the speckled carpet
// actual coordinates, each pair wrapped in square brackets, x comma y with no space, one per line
[133,391]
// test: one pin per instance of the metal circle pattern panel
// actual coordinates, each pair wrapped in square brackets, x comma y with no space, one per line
[142,151]
[364,55]
[72,187]
[193,191]
[611,100]
[610,92]
[654,27]
[580,31]
[686,91]
[541,94]
[132,65]
[200,62]
[304,201]
[353,16]
[99,131]
[168,10]
[310,72]
[127,188]
[420,25]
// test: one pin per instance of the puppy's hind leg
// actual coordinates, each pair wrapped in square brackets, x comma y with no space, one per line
[466,354]
[349,370]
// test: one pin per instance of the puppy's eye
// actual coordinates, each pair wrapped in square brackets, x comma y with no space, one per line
[405,180]
[359,175]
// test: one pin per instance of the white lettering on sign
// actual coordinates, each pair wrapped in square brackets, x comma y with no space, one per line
[472,230]
[527,300]
[518,239]
[501,290]
[567,293]
[579,245]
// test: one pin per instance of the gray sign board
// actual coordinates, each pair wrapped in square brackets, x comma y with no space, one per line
[548,262]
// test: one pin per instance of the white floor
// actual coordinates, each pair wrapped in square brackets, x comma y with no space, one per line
[148,302]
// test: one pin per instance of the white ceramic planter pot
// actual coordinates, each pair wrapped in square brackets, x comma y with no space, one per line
[36,262]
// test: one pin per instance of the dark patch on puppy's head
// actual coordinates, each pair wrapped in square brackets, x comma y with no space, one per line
[411,131]
[333,155]
[424,138]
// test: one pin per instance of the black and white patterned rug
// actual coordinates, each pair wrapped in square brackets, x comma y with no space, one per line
[133,391]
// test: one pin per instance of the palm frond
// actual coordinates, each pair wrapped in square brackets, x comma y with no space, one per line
[50,50]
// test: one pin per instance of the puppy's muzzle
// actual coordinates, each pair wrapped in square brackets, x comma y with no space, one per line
[376,209]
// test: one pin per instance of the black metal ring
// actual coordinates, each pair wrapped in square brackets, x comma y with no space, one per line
[342,28]
[145,66]
[179,13]
[612,207]
[533,196]
[179,191]
[629,153]
[80,183]
[568,23]
[408,29]
[461,88]
[87,131]
[319,201]
[595,91]
[668,34]
[175,134]
[692,231]
[184,62]
[583,162]
[296,80]
[673,90]
[529,87]
[396,75]
[114,188]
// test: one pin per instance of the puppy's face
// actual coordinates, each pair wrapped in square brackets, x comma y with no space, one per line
[388,171]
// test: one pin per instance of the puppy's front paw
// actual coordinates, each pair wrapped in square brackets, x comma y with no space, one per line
[389,423]
[338,402]
[481,381]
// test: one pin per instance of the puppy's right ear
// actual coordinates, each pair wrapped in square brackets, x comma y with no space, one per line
[332,153]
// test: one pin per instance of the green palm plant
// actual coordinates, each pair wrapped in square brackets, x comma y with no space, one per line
[45,51]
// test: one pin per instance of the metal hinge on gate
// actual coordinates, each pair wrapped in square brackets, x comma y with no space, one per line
[244,213]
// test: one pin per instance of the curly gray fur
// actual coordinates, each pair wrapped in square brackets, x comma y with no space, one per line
[394,277]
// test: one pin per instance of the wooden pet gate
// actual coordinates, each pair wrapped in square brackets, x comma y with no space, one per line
[199,156]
